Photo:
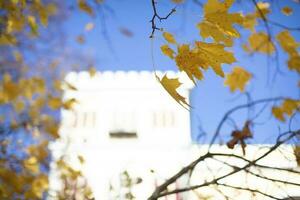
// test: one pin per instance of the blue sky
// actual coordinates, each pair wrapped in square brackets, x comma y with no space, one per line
[113,50]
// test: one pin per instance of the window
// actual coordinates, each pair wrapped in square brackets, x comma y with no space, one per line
[123,124]
[84,119]
[163,119]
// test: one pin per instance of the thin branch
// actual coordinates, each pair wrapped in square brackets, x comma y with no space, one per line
[249,190]
[228,113]
[157,16]
[159,190]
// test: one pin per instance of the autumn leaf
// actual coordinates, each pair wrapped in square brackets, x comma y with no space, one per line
[92,71]
[81,159]
[177,1]
[214,55]
[189,61]
[80,39]
[171,85]
[69,103]
[261,42]
[288,42]
[288,107]
[294,63]
[297,154]
[54,103]
[167,51]
[169,37]
[237,79]
[289,45]
[287,10]
[239,136]
[33,25]
[250,21]
[39,185]
[278,113]
[85,7]
[218,23]
[32,164]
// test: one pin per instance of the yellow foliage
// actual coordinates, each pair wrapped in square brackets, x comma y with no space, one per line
[39,185]
[261,42]
[237,79]
[69,103]
[167,51]
[33,25]
[294,63]
[288,107]
[250,21]
[171,85]
[214,55]
[81,159]
[218,23]
[92,71]
[169,38]
[289,45]
[54,103]
[85,7]
[9,90]
[288,42]
[38,151]
[178,1]
[287,10]
[31,164]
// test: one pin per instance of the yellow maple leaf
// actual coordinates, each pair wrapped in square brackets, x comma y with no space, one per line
[10,89]
[68,104]
[214,55]
[250,21]
[189,61]
[289,45]
[85,7]
[287,10]
[81,159]
[178,1]
[39,185]
[32,164]
[167,51]
[54,103]
[218,23]
[171,85]
[169,38]
[287,42]
[260,42]
[92,71]
[294,63]
[278,113]
[52,128]
[289,106]
[33,25]
[237,79]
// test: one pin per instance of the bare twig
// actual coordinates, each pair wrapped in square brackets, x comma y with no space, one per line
[157,16]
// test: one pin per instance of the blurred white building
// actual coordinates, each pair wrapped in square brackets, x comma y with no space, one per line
[127,121]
